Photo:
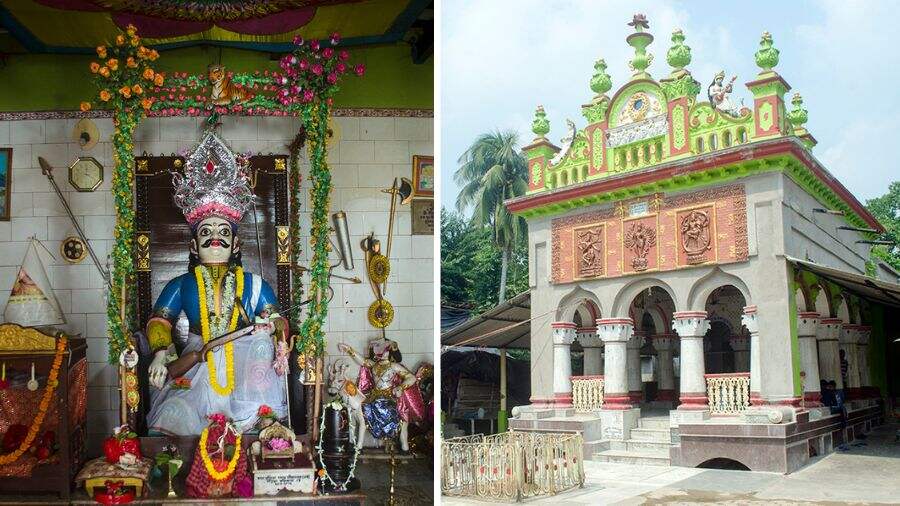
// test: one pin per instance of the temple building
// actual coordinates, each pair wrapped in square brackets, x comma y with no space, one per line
[711,272]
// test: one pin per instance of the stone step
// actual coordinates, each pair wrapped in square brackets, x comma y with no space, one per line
[660,435]
[633,445]
[629,457]
[654,423]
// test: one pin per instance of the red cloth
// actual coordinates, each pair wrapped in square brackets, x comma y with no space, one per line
[410,405]
[365,381]
[200,484]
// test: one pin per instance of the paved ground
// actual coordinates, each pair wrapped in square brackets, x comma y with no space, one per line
[867,474]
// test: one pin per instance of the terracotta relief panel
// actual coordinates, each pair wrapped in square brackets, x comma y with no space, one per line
[652,233]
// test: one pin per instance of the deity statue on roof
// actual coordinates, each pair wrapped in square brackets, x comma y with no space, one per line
[719,95]
[217,296]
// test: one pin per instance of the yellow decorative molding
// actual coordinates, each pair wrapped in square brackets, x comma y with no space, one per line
[17,338]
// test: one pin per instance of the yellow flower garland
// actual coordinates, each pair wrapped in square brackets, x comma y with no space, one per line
[204,329]
[207,462]
[42,408]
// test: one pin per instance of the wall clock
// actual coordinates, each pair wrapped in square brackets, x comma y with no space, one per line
[85,174]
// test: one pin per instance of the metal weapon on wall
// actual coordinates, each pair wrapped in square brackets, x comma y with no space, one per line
[403,188]
[47,170]
[381,312]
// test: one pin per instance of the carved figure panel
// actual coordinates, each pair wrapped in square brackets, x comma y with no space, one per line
[590,247]
[640,243]
[696,236]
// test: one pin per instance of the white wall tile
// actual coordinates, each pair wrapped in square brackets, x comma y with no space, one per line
[4,133]
[413,129]
[392,152]
[349,129]
[25,228]
[357,151]
[376,129]
[177,129]
[21,159]
[27,132]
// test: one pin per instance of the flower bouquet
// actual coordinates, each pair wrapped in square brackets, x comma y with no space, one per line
[220,465]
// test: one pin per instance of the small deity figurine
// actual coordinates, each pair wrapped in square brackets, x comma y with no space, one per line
[718,94]
[217,297]
[392,396]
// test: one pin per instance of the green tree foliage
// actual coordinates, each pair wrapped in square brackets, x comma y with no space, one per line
[492,171]
[887,210]
[471,265]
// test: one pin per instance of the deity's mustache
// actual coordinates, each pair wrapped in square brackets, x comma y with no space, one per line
[215,242]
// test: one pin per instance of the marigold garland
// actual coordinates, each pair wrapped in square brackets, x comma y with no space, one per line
[205,334]
[42,407]
[207,462]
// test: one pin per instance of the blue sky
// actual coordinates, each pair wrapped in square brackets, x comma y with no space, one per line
[501,58]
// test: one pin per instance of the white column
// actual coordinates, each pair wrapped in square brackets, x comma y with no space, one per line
[635,384]
[807,323]
[665,345]
[862,359]
[741,346]
[615,333]
[691,327]
[829,363]
[593,355]
[563,335]
[848,338]
[750,320]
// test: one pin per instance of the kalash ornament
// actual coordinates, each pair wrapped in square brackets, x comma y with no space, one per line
[218,297]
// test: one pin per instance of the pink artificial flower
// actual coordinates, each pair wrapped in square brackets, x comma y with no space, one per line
[344,55]
[298,40]
[304,64]
[308,95]
[314,45]
[335,38]
[360,69]
[332,78]
[328,52]
[329,101]
[278,444]
[317,69]
[341,68]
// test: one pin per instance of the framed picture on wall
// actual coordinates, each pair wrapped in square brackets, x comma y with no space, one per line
[5,182]
[423,176]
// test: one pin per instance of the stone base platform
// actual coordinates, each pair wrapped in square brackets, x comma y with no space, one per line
[561,420]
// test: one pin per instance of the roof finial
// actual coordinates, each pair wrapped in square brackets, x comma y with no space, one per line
[639,40]
[540,126]
[679,55]
[600,81]
[798,115]
[767,55]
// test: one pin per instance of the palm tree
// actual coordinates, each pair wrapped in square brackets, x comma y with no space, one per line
[491,171]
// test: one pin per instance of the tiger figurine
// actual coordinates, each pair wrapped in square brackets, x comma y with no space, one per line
[224,92]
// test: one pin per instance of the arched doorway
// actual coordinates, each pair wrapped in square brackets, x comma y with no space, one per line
[726,348]
[651,352]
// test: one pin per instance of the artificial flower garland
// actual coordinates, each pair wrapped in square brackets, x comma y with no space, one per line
[207,462]
[296,270]
[205,332]
[336,404]
[42,407]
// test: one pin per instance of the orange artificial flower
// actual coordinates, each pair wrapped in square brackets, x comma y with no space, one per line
[153,55]
[158,80]
[130,62]
[101,51]
[113,64]
[143,52]
[148,74]
[105,95]
[135,41]
[95,67]
[85,106]
[137,89]
[146,103]
[120,40]
[131,30]
[125,91]
[103,71]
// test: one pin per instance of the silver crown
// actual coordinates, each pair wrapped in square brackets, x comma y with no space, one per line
[214,183]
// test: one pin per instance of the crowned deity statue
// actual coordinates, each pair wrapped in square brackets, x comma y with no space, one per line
[719,95]
[217,297]
[393,399]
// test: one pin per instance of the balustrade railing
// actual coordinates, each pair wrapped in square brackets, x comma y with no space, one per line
[587,393]
[728,394]
[511,465]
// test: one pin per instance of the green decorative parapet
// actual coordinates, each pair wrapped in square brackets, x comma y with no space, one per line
[648,122]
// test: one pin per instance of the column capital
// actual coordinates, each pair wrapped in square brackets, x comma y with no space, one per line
[807,321]
[863,333]
[739,342]
[588,338]
[749,319]
[690,323]
[664,342]
[829,329]
[563,333]
[849,333]
[637,339]
[615,329]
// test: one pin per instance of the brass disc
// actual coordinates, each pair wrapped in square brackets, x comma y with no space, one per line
[379,268]
[381,313]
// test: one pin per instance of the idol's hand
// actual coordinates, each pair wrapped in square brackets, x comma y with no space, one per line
[158,371]
[281,358]
[345,348]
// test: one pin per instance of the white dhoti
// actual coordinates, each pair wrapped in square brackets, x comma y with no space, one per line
[180,412]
